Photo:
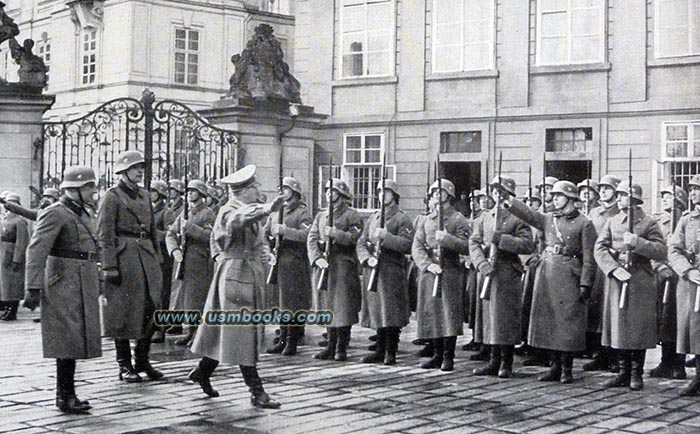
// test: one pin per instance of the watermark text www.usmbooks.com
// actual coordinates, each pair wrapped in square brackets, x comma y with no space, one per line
[243,317]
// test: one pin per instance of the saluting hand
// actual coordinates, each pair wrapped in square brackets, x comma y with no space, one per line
[621,274]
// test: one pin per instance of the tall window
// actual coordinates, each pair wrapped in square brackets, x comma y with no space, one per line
[186,56]
[677,28]
[570,32]
[44,51]
[367,32]
[89,56]
[463,33]
[681,148]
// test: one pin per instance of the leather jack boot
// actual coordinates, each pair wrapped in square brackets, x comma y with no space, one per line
[506,369]
[624,360]
[428,350]
[494,363]
[567,367]
[281,342]
[537,357]
[554,373]
[471,346]
[636,381]
[294,334]
[126,370]
[324,340]
[158,336]
[202,373]
[141,361]
[11,311]
[435,362]
[391,337]
[258,396]
[329,352]
[665,368]
[693,387]
[448,353]
[678,365]
[380,347]
[341,349]
[484,353]
[601,361]
[66,401]
[189,334]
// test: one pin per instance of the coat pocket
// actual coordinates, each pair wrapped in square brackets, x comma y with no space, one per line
[240,283]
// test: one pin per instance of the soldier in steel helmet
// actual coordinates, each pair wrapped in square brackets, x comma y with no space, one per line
[293,273]
[386,309]
[343,293]
[604,358]
[440,318]
[563,279]
[126,231]
[48,197]
[163,218]
[684,258]
[629,329]
[14,237]
[545,192]
[502,302]
[674,201]
[176,193]
[187,242]
[238,247]
[62,254]
[589,195]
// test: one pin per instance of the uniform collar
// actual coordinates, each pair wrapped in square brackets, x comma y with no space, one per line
[638,214]
[132,193]
[73,205]
[447,211]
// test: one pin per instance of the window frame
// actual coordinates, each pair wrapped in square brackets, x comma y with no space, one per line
[492,41]
[690,141]
[657,32]
[364,52]
[96,51]
[41,51]
[186,52]
[569,38]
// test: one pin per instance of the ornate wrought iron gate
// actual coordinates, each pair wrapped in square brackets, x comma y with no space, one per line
[173,138]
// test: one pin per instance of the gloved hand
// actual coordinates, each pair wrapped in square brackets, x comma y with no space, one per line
[16,266]
[485,268]
[177,255]
[440,236]
[277,229]
[321,263]
[665,272]
[372,262]
[271,259]
[112,276]
[496,237]
[435,269]
[380,233]
[694,276]
[32,299]
[330,232]
[584,293]
[621,274]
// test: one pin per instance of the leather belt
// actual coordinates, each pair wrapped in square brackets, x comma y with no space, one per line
[74,254]
[557,249]
[142,235]
[8,239]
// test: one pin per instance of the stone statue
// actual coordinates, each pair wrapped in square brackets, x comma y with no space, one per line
[8,28]
[32,70]
[261,72]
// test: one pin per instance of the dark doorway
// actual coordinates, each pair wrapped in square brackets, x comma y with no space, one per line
[466,175]
[569,170]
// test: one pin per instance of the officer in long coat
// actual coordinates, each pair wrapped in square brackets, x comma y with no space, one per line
[163,218]
[237,246]
[684,258]
[501,304]
[341,293]
[131,269]
[563,279]
[14,238]
[436,253]
[630,329]
[604,357]
[293,273]
[62,273]
[381,249]
[187,242]
[672,365]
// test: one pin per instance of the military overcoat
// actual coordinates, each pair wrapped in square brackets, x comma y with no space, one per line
[599,216]
[14,238]
[666,313]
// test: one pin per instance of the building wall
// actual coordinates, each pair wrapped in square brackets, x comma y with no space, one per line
[624,99]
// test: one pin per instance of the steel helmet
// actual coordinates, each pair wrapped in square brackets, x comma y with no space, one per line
[623,187]
[51,192]
[160,186]
[535,196]
[567,188]
[177,185]
[609,180]
[198,186]
[340,186]
[548,180]
[589,184]
[389,185]
[694,181]
[504,183]
[292,184]
[678,194]
[128,159]
[213,192]
[12,197]
[447,185]
[78,176]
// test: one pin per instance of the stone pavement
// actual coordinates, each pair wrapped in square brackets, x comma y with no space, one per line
[328,397]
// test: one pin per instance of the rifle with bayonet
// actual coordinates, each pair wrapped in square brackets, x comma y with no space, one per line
[630,229]
[372,282]
[494,248]
[437,283]
[667,285]
[589,169]
[272,275]
[180,267]
[323,278]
